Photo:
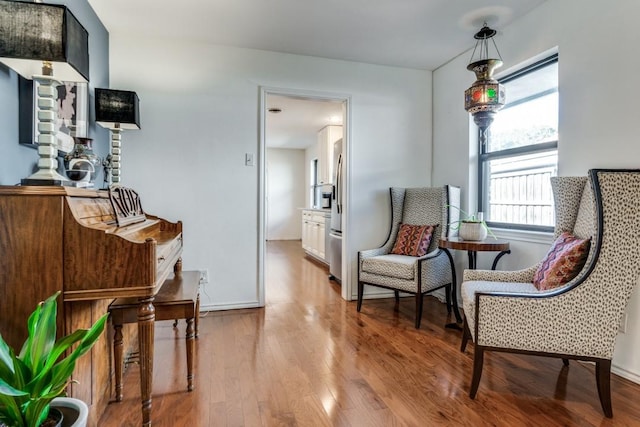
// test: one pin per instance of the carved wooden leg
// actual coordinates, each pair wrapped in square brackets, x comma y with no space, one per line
[466,334]
[146,323]
[118,349]
[418,309]
[190,350]
[603,381]
[478,359]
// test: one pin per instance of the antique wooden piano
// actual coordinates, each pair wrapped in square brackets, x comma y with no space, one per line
[93,248]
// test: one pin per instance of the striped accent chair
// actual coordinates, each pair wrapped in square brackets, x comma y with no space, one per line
[579,320]
[417,275]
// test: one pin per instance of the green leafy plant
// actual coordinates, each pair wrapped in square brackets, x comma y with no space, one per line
[41,372]
[470,218]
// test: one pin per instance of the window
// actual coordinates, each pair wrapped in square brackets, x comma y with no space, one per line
[520,153]
[314,197]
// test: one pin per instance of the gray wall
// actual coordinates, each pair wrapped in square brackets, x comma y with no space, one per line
[17,161]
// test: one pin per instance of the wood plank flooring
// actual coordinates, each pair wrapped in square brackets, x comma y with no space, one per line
[309,359]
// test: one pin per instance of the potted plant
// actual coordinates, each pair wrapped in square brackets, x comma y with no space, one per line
[472,227]
[30,380]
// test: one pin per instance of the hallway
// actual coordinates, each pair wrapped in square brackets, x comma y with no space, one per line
[309,359]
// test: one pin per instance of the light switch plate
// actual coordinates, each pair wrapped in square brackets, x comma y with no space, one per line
[248,159]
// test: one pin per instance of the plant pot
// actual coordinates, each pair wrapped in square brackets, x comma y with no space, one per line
[75,411]
[54,419]
[472,230]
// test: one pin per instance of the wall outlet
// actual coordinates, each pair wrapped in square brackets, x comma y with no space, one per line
[204,276]
[622,328]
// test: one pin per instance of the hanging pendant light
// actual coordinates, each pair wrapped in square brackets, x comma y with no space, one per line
[486,96]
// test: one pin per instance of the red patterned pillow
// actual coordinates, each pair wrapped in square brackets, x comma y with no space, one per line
[563,262]
[413,240]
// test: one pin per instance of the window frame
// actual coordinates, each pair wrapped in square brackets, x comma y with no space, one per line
[314,199]
[484,157]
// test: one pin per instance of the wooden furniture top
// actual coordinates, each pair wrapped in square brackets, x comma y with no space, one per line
[99,258]
[179,288]
[488,244]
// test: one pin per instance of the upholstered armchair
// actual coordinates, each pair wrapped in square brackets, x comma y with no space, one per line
[505,311]
[420,272]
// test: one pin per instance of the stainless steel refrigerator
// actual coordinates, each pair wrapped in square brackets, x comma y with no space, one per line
[335,233]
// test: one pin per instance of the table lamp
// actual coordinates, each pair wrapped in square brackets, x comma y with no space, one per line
[44,42]
[116,110]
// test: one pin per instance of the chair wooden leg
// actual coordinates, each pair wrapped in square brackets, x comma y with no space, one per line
[565,362]
[118,350]
[603,381]
[447,292]
[360,292]
[466,334]
[478,359]
[190,340]
[419,297]
[397,295]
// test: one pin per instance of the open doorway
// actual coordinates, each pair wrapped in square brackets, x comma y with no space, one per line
[298,133]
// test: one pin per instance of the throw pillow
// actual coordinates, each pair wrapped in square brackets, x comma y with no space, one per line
[563,262]
[413,240]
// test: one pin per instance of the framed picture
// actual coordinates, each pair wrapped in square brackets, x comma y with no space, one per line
[72,113]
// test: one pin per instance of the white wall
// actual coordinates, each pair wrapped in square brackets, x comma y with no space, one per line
[200,112]
[598,73]
[286,191]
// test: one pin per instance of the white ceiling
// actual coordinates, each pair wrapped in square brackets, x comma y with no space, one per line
[297,125]
[422,34]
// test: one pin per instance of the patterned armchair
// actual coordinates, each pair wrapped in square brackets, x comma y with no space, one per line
[416,275]
[505,312]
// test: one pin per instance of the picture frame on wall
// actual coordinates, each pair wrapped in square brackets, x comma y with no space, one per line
[72,114]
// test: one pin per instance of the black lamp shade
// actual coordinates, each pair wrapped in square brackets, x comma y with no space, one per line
[117,109]
[34,32]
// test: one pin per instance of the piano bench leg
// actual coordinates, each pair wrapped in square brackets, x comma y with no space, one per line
[190,344]
[118,350]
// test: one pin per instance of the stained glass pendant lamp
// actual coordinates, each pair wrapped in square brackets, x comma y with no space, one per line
[46,43]
[116,110]
[486,96]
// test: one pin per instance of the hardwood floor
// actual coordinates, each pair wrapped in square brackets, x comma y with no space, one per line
[309,359]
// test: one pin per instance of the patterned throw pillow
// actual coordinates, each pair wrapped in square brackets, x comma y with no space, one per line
[413,240]
[563,262]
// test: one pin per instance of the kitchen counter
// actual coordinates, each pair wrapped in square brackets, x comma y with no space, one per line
[327,210]
[315,232]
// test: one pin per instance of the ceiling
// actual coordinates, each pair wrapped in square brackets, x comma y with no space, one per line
[422,34]
[299,121]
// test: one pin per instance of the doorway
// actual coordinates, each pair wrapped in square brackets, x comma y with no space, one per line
[290,121]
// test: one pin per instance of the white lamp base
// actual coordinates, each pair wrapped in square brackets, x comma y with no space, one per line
[46,107]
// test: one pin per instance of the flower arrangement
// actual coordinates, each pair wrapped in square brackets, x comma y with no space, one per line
[30,380]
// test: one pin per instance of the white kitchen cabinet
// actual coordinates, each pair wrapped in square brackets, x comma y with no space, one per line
[314,226]
[327,136]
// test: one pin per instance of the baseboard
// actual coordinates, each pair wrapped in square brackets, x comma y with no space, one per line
[235,306]
[621,372]
[390,294]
